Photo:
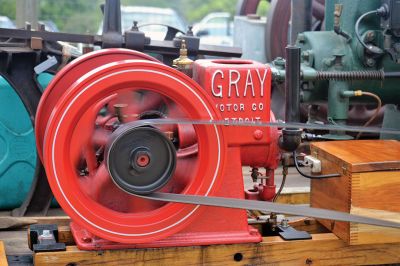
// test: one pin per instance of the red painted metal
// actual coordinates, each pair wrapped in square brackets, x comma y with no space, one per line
[70,74]
[93,201]
[209,158]
[241,90]
[213,226]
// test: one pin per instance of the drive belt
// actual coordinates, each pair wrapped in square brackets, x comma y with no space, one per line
[264,205]
[309,126]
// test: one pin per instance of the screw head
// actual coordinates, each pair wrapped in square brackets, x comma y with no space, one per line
[258,134]
[371,62]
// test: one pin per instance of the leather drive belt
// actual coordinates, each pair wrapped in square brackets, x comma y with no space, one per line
[264,205]
[310,126]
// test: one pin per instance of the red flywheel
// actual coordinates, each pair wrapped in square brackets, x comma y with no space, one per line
[97,154]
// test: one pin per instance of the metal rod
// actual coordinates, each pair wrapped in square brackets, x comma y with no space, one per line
[292,84]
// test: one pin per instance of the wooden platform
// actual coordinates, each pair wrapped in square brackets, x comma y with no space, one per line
[323,249]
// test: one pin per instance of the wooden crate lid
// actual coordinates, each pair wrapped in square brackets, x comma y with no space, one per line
[361,155]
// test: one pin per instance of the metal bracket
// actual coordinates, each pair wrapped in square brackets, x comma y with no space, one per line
[289,233]
[44,237]
[284,230]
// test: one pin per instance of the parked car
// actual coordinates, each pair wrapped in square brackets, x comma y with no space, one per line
[5,22]
[150,15]
[215,29]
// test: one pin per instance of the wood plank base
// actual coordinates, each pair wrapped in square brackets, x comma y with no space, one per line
[3,258]
[323,249]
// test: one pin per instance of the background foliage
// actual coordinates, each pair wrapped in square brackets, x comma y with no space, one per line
[84,16]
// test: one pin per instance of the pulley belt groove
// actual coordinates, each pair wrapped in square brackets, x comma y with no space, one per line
[264,205]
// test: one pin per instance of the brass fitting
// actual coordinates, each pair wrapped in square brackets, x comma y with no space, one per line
[183,63]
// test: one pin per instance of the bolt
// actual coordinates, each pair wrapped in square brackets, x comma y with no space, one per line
[86,239]
[142,159]
[46,233]
[118,111]
[285,223]
[370,62]
[258,134]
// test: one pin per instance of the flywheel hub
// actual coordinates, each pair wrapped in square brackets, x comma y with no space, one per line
[140,160]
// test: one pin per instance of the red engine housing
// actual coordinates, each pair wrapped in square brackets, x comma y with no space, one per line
[239,91]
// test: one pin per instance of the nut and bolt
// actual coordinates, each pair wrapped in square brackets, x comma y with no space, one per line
[46,233]
[370,62]
[285,223]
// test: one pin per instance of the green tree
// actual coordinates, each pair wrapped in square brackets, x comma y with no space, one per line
[8,8]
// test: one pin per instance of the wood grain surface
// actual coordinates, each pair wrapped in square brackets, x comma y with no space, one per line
[369,185]
[324,249]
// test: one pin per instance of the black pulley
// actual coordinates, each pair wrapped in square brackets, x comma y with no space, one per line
[140,160]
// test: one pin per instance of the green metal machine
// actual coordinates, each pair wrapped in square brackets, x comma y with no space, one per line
[17,146]
[357,55]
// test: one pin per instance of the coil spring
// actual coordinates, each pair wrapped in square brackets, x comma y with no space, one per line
[351,75]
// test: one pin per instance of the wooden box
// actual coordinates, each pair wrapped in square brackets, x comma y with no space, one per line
[369,185]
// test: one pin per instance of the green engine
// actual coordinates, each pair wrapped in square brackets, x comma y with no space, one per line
[356,57]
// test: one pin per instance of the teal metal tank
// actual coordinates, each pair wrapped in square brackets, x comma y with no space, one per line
[17,146]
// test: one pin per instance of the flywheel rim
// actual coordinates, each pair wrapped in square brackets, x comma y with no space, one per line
[67,109]
[68,75]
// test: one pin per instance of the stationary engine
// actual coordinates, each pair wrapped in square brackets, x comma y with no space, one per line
[116,125]
[351,67]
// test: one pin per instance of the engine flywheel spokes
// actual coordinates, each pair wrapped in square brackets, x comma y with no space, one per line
[98,153]
[70,74]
